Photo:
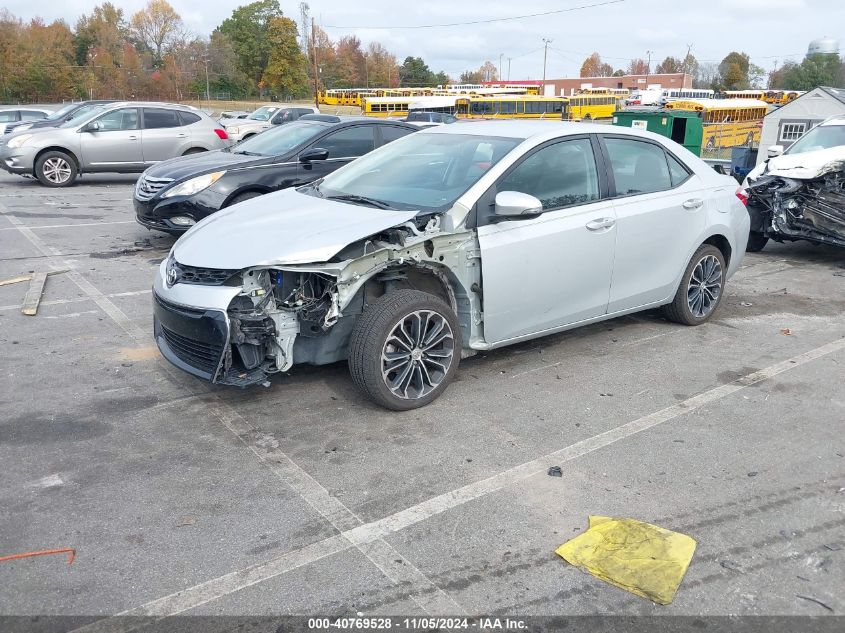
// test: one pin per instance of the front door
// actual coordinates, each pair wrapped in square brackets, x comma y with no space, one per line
[115,143]
[552,270]
[343,146]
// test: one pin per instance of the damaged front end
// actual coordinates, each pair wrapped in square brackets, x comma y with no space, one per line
[788,208]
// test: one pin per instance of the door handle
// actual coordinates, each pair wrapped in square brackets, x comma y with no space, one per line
[133,138]
[693,203]
[181,136]
[600,223]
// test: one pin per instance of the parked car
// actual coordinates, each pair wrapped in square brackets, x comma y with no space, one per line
[58,117]
[123,137]
[419,117]
[20,113]
[263,119]
[233,114]
[453,240]
[174,195]
[799,194]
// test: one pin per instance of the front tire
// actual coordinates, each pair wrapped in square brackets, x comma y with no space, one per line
[701,288]
[405,349]
[55,169]
[756,242]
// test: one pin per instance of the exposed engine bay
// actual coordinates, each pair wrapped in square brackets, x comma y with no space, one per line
[296,314]
[787,208]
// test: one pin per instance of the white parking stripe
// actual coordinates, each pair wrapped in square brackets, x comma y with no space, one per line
[63,226]
[56,302]
[268,451]
[363,535]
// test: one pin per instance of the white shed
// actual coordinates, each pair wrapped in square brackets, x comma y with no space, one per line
[785,125]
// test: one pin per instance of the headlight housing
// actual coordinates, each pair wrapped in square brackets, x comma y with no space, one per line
[194,185]
[19,141]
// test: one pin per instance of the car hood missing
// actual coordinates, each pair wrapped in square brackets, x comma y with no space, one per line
[286,227]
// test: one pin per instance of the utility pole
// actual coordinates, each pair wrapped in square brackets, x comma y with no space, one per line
[647,69]
[545,56]
[207,87]
[314,48]
[509,68]
[686,60]
[500,66]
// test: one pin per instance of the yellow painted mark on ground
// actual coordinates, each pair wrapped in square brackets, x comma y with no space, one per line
[138,353]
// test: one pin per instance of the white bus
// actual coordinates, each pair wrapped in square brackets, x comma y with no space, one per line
[676,94]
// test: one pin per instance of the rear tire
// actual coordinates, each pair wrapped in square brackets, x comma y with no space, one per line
[701,288]
[405,349]
[756,242]
[56,169]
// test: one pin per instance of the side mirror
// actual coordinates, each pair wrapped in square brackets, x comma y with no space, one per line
[774,150]
[515,203]
[92,127]
[315,153]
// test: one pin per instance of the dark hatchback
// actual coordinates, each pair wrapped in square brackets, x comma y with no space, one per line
[58,117]
[175,194]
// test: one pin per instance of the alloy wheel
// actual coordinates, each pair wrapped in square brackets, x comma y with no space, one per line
[57,170]
[705,286]
[417,354]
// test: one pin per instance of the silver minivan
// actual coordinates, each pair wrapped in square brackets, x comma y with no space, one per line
[122,137]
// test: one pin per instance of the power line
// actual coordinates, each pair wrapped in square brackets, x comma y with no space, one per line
[491,20]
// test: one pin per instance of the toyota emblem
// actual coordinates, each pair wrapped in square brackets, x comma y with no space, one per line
[172,274]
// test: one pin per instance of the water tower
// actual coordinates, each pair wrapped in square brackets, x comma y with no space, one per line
[823,46]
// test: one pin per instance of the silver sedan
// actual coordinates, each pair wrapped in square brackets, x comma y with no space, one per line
[450,241]
[119,137]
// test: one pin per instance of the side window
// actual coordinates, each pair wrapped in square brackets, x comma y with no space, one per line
[677,171]
[638,167]
[7,116]
[123,119]
[349,142]
[189,118]
[29,115]
[558,175]
[392,132]
[304,111]
[284,116]
[156,118]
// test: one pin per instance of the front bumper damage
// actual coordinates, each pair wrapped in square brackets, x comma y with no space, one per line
[786,208]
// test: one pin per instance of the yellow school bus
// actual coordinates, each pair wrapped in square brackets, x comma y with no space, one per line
[727,122]
[593,106]
[781,97]
[344,96]
[511,107]
[621,93]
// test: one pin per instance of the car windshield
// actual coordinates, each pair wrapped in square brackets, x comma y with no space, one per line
[79,117]
[262,114]
[421,171]
[60,114]
[820,137]
[279,140]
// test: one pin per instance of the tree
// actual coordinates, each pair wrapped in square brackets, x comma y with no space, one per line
[591,66]
[668,66]
[351,63]
[638,66]
[285,73]
[248,31]
[733,71]
[690,66]
[105,29]
[470,77]
[415,72]
[618,73]
[488,72]
[158,28]
[382,68]
[707,76]
[814,71]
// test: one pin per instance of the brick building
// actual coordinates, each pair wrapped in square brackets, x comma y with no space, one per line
[568,87]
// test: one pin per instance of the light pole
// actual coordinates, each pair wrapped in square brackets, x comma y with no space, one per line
[207,86]
[545,55]
[509,68]
[500,65]
[647,69]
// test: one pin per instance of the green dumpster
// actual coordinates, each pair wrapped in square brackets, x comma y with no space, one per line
[682,126]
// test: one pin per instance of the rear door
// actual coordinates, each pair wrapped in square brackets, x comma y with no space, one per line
[343,145]
[117,142]
[163,135]
[389,133]
[660,207]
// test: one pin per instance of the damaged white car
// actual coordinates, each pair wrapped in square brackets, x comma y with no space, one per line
[452,240]
[799,194]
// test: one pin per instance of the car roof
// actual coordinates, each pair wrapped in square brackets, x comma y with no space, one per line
[521,129]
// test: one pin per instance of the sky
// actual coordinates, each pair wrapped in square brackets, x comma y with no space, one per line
[770,31]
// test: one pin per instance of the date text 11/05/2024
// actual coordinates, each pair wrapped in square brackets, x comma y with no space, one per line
[361,623]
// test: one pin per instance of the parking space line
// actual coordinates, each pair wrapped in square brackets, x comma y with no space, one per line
[375,531]
[312,492]
[65,226]
[56,302]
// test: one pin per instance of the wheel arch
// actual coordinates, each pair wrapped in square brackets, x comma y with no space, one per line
[57,148]
[723,244]
[251,188]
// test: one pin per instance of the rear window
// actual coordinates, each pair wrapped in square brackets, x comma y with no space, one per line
[638,167]
[189,117]
[392,132]
[155,118]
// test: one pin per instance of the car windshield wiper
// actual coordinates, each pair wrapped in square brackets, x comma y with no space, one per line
[246,153]
[351,197]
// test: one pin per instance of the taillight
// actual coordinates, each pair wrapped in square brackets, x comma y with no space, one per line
[742,195]
[221,134]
